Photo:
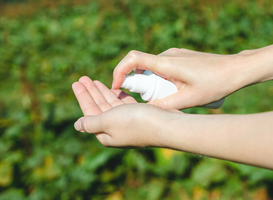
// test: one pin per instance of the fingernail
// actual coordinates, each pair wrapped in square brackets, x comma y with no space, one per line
[78,125]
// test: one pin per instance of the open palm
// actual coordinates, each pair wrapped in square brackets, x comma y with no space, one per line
[95,98]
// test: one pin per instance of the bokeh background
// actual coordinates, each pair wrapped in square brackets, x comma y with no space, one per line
[45,46]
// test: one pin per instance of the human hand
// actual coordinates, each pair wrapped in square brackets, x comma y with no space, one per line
[118,121]
[128,126]
[116,124]
[200,78]
[95,98]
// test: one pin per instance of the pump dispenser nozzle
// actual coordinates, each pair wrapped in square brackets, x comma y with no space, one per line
[136,83]
[152,87]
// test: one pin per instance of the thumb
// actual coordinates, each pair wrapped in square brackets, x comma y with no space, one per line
[90,124]
[178,100]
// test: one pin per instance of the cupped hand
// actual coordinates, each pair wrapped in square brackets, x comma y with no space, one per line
[200,78]
[116,119]
[94,97]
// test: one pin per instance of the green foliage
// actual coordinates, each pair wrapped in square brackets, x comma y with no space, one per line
[41,55]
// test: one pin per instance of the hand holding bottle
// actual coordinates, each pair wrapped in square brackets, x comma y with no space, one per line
[200,78]
[153,87]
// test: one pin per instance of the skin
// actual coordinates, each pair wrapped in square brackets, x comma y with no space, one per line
[200,78]
[119,121]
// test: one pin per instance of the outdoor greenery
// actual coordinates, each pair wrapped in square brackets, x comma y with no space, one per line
[43,52]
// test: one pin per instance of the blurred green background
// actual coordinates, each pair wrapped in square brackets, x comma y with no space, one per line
[45,46]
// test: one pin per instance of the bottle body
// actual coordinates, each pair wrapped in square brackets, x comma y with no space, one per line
[159,88]
[152,87]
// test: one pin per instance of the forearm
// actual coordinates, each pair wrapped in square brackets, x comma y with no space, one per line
[245,139]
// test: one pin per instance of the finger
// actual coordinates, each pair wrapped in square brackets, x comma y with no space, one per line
[95,93]
[138,60]
[90,124]
[109,95]
[126,98]
[95,125]
[187,99]
[87,104]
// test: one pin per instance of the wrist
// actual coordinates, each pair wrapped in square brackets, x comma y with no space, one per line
[264,63]
[242,72]
[166,127]
[254,66]
[177,131]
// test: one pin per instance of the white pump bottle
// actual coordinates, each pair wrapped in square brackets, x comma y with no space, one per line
[152,87]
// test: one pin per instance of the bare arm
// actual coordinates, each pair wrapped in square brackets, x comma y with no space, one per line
[118,121]
[245,139]
[200,78]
